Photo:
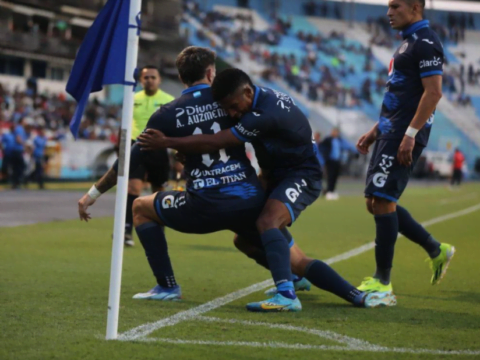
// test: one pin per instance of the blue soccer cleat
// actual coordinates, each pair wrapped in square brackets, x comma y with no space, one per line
[275,304]
[379,299]
[161,293]
[301,285]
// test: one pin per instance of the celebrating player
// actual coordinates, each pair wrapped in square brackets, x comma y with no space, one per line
[282,138]
[412,93]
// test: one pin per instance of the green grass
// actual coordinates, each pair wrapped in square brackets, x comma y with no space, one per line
[54,286]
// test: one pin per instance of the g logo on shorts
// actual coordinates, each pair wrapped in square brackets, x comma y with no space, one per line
[379,179]
[292,194]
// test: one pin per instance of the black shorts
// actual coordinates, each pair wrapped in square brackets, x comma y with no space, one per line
[155,169]
[386,178]
[178,210]
[297,193]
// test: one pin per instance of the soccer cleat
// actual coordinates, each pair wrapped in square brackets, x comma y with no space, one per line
[275,304]
[370,284]
[439,265]
[379,299]
[301,285]
[161,293]
[128,240]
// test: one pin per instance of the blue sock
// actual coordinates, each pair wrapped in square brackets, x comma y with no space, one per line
[387,232]
[278,257]
[152,237]
[290,240]
[324,277]
[415,232]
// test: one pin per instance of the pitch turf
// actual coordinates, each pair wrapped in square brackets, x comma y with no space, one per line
[54,287]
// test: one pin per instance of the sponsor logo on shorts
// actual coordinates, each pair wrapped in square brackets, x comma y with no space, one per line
[293,194]
[380,178]
[170,201]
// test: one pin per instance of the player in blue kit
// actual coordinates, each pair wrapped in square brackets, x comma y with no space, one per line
[413,90]
[282,139]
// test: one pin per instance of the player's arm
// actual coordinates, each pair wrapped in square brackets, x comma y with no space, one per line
[431,96]
[248,129]
[107,181]
[366,140]
[153,139]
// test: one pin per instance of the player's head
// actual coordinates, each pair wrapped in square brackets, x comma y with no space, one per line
[403,13]
[335,132]
[234,90]
[150,79]
[196,64]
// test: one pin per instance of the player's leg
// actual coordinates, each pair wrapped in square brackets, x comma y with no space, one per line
[275,216]
[150,231]
[316,272]
[250,245]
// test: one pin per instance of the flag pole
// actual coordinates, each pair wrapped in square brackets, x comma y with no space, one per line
[122,182]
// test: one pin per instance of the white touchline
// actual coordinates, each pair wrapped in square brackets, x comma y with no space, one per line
[146,329]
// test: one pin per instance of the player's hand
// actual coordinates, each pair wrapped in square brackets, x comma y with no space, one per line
[152,139]
[83,205]
[365,141]
[404,154]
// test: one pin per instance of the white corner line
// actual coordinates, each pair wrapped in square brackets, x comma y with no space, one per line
[148,328]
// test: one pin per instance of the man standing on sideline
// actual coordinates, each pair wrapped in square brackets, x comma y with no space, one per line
[413,90]
[332,149]
[7,143]
[458,160]
[146,102]
[16,161]
[39,145]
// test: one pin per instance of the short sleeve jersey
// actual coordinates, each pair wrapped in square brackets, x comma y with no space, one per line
[144,106]
[420,55]
[219,176]
[281,135]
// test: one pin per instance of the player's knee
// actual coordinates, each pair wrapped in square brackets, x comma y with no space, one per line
[369,203]
[139,214]
[267,222]
[381,206]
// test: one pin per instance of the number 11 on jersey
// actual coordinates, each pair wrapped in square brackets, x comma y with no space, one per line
[206,159]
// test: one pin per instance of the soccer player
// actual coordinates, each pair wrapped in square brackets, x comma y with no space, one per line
[146,102]
[39,145]
[282,139]
[7,141]
[412,93]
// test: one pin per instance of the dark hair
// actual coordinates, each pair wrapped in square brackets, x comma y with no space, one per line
[411,2]
[227,82]
[150,67]
[192,63]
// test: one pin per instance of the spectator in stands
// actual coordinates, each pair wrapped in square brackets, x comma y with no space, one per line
[366,92]
[458,160]
[332,148]
[310,8]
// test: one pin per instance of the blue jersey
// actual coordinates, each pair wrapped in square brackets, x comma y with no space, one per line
[8,142]
[281,135]
[219,176]
[420,55]
[40,142]
[19,131]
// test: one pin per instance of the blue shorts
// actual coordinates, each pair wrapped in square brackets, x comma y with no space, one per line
[386,178]
[297,193]
[180,211]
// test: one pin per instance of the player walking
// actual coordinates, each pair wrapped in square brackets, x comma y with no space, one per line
[412,93]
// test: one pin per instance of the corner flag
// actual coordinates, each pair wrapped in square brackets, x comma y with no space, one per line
[101,59]
[108,55]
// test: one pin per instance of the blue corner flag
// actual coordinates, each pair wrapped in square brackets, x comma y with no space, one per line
[101,58]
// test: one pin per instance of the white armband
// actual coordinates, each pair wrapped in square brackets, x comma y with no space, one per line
[94,193]
[412,132]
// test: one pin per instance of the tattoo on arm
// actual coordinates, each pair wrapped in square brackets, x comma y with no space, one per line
[107,181]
